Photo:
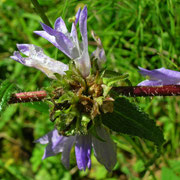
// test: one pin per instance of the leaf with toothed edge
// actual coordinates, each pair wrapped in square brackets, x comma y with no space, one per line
[128,119]
[6,90]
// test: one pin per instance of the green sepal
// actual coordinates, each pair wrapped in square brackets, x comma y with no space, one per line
[68,96]
[84,124]
[128,119]
[64,121]
[58,76]
[73,74]
[99,100]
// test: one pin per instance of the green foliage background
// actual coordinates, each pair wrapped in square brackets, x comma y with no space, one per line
[134,33]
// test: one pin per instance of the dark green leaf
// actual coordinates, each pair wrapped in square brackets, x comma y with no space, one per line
[128,119]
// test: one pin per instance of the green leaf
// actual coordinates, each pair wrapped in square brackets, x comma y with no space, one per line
[128,119]
[39,106]
[168,173]
[6,90]
[109,74]
[112,77]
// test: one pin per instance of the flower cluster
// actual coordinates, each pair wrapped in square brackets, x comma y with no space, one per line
[78,95]
[79,92]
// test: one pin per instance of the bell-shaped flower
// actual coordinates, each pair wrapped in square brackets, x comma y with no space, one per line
[37,59]
[160,77]
[68,42]
[104,148]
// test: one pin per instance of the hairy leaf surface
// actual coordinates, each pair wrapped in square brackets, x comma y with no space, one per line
[128,119]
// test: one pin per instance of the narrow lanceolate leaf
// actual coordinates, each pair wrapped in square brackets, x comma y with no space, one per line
[128,119]
[6,90]
[111,77]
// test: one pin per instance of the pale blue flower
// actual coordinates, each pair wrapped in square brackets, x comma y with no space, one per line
[104,150]
[160,77]
[66,42]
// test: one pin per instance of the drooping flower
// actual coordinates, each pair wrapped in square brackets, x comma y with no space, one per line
[104,150]
[66,102]
[160,77]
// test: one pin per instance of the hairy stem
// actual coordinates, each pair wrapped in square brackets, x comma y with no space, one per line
[27,97]
[135,91]
[129,91]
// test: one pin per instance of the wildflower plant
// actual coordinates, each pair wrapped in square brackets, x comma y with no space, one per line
[84,104]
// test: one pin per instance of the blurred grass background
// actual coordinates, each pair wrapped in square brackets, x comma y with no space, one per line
[134,33]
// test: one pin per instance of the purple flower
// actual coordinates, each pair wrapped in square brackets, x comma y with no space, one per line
[104,151]
[160,77]
[99,53]
[66,42]
[36,58]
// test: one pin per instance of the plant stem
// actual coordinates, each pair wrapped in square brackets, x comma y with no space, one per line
[130,91]
[40,11]
[134,91]
[27,97]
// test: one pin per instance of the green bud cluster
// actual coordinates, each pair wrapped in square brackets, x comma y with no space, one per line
[77,102]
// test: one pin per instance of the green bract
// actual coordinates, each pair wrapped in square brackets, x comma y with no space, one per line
[77,102]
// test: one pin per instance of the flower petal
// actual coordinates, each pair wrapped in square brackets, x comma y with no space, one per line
[83,151]
[67,146]
[54,147]
[77,16]
[74,30]
[165,76]
[60,41]
[23,48]
[48,29]
[56,143]
[50,136]
[99,54]
[17,57]
[60,26]
[83,64]
[83,26]
[39,60]
[75,52]
[105,152]
[151,83]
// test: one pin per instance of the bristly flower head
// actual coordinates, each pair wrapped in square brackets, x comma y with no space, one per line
[77,96]
[160,77]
